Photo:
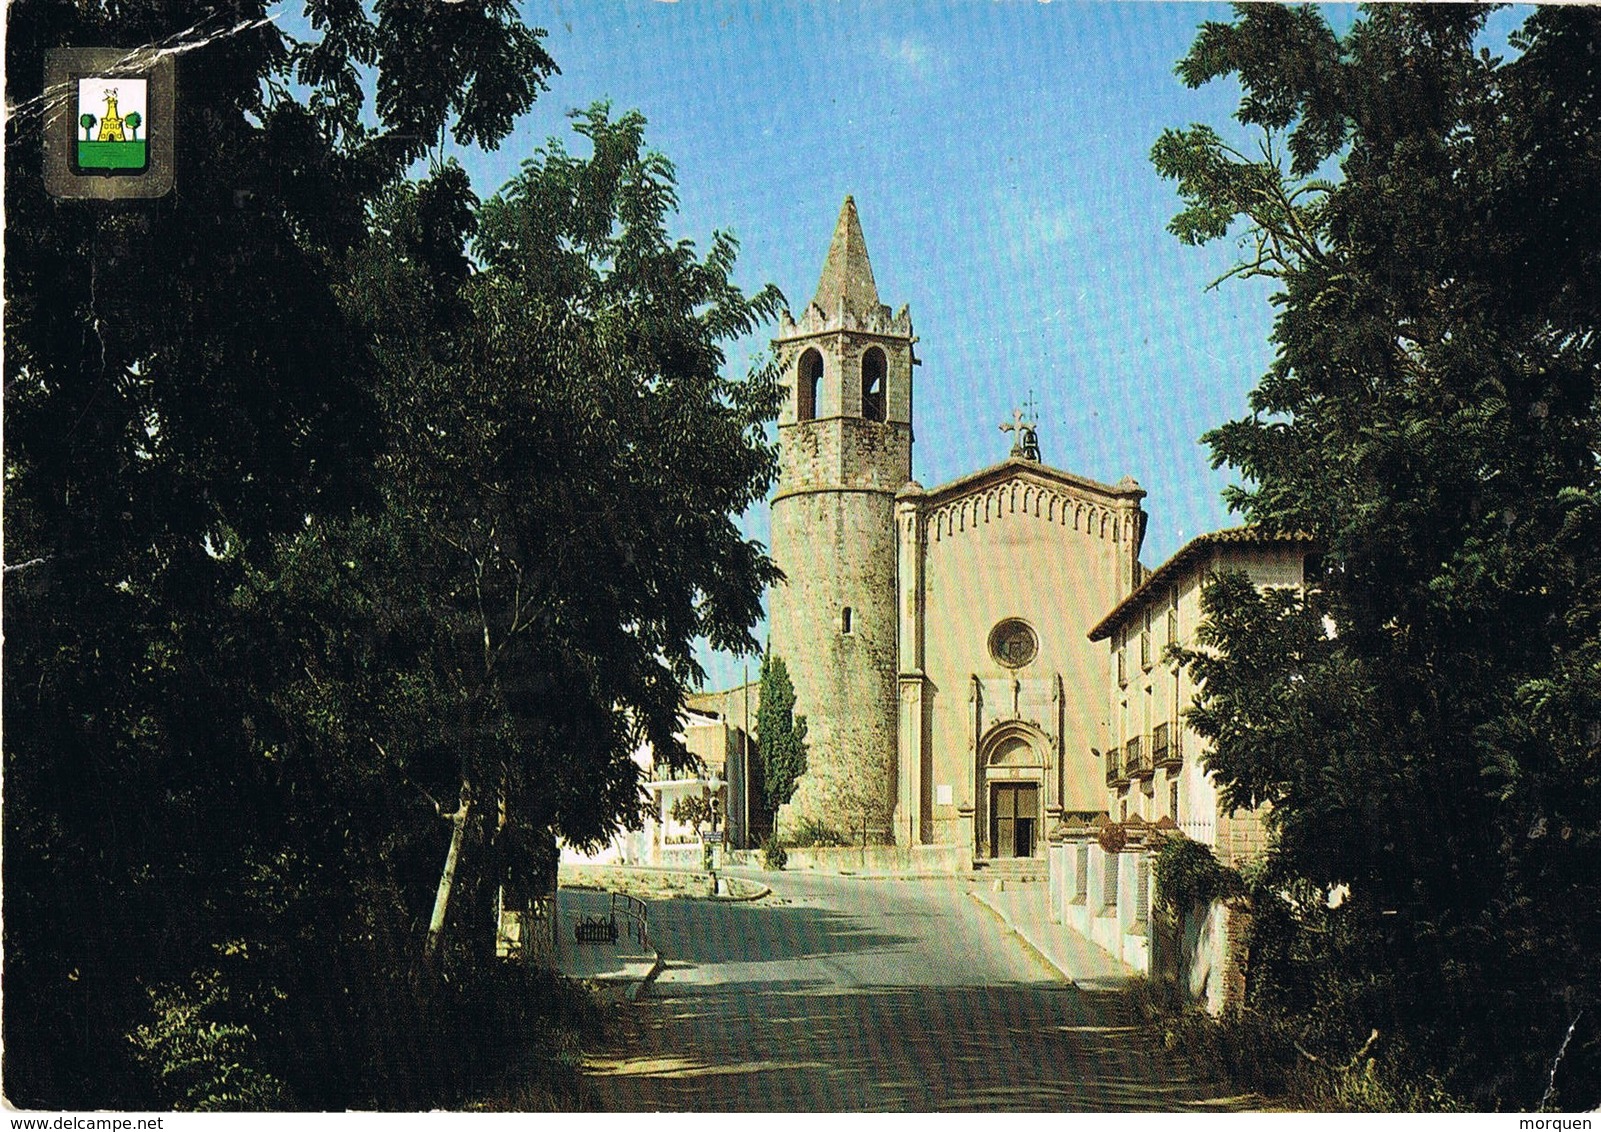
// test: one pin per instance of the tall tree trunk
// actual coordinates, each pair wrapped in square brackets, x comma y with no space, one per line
[447,878]
[480,926]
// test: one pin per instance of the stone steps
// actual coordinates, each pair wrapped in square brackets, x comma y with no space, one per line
[1022,869]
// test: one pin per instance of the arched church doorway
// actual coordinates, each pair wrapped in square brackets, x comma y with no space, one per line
[1014,771]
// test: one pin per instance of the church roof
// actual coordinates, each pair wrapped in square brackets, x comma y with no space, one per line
[1193,551]
[847,274]
[1027,469]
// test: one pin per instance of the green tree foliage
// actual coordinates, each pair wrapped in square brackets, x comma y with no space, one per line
[203,1065]
[773,854]
[781,734]
[814,834]
[1423,723]
[134,121]
[1187,874]
[695,810]
[565,457]
[475,656]
[182,389]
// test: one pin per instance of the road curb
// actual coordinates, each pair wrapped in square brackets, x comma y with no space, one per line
[588,884]
[1022,937]
[763,890]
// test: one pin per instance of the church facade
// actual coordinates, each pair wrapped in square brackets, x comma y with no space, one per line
[938,638]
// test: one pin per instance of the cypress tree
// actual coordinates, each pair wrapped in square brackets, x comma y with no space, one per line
[780,732]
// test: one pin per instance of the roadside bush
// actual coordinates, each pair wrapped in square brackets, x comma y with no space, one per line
[198,1058]
[773,855]
[551,1019]
[342,1029]
[1264,1053]
[1188,874]
[813,834]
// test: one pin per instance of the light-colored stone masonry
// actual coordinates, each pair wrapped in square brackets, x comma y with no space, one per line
[894,594]
[833,619]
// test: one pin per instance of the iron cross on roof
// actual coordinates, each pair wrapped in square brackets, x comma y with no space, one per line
[1025,434]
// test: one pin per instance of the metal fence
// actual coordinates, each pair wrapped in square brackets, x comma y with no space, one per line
[527,934]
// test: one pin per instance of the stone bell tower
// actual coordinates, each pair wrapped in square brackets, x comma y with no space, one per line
[845,448]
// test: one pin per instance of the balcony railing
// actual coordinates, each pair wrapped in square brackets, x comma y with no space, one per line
[1136,759]
[1115,775]
[1165,746]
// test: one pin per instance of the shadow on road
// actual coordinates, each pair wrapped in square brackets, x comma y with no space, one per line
[786,1047]
[802,1008]
[757,933]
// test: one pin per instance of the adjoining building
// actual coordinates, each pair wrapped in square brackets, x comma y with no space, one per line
[1155,776]
[727,744]
[722,757]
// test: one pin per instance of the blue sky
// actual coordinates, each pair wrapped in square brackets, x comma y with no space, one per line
[999,157]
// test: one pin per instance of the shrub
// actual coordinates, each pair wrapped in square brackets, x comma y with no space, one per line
[813,834]
[782,747]
[528,1028]
[198,1058]
[1188,874]
[773,855]
[695,810]
[1264,1052]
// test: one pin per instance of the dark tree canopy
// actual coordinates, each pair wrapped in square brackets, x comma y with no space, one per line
[335,500]
[181,386]
[564,463]
[1423,724]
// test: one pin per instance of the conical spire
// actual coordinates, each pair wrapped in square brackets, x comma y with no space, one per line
[846,272]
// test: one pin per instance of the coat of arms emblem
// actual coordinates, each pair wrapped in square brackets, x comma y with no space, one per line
[113,125]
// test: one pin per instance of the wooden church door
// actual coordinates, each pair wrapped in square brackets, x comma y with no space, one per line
[1014,818]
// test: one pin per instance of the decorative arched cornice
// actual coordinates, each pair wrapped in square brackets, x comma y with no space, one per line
[1039,503]
[1007,729]
[1041,493]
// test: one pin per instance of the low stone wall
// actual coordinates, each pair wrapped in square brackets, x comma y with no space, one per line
[1200,952]
[681,855]
[659,884]
[888,859]
[1100,896]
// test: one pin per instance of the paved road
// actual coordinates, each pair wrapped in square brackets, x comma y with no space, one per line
[851,994]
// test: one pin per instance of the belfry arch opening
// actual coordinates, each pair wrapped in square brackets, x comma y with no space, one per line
[874,369]
[809,378]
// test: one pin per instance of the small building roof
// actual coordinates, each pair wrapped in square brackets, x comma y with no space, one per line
[1192,552]
[698,718]
[720,703]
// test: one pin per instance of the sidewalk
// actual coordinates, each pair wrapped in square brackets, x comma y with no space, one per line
[624,964]
[1023,908]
